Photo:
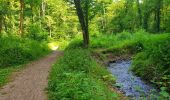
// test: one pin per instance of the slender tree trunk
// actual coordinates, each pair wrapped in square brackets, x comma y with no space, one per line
[103,21]
[50,32]
[139,13]
[42,9]
[158,15]
[21,17]
[1,23]
[5,24]
[146,19]
[145,22]
[83,21]
[87,21]
[32,13]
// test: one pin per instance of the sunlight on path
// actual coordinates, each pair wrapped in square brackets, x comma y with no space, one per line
[53,46]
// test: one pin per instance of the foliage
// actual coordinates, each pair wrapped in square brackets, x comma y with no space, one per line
[58,17]
[14,51]
[77,76]
[121,43]
[151,55]
[37,33]
[5,74]
[153,63]
[25,25]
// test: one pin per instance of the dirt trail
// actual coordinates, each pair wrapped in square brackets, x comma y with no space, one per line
[30,83]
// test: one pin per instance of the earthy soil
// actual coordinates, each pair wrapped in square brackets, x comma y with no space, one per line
[108,57]
[30,83]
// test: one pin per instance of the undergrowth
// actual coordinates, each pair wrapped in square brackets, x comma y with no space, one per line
[151,55]
[14,52]
[153,63]
[77,76]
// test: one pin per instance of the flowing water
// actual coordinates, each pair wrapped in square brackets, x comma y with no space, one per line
[127,82]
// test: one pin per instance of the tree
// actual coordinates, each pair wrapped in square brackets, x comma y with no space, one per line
[21,17]
[3,14]
[139,12]
[158,14]
[83,19]
[1,21]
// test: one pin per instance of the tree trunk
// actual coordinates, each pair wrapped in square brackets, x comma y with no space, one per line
[103,20]
[146,19]
[50,32]
[83,21]
[158,15]
[42,9]
[32,13]
[1,23]
[21,17]
[139,13]
[87,21]
[145,22]
[5,24]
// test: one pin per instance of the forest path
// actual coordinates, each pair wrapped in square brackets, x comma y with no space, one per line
[30,83]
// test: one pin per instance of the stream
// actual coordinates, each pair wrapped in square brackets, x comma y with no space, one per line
[131,85]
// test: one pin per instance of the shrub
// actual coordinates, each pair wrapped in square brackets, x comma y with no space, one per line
[15,51]
[37,33]
[154,62]
[121,43]
[76,76]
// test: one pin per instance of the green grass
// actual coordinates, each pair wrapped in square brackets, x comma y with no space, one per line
[77,76]
[119,40]
[154,60]
[5,73]
[153,63]
[14,52]
[151,54]
[120,44]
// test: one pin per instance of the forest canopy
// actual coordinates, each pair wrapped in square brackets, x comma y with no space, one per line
[58,19]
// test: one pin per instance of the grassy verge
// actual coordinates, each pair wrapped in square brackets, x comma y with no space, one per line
[77,76]
[15,52]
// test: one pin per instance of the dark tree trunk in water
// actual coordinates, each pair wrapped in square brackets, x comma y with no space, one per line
[21,17]
[83,21]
